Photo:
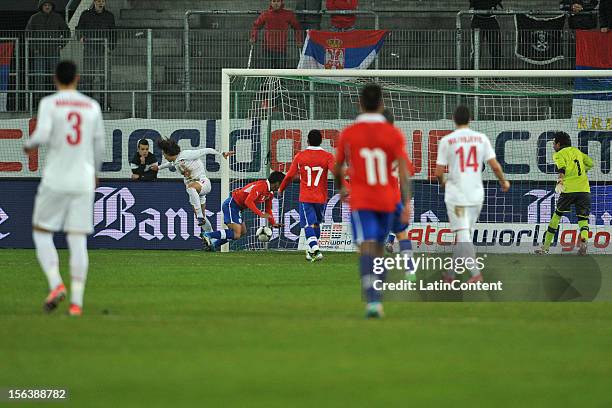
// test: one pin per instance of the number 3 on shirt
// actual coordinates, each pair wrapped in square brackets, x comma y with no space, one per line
[471,159]
[74,118]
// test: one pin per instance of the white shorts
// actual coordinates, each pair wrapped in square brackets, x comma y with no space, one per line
[463,217]
[60,211]
[206,187]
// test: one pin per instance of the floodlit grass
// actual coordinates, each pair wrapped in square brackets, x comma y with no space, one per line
[173,328]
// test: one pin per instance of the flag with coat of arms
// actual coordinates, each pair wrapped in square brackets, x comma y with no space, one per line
[341,50]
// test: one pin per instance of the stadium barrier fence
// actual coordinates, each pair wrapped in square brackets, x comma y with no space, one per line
[156,60]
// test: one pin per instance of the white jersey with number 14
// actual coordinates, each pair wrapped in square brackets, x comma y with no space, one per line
[464,152]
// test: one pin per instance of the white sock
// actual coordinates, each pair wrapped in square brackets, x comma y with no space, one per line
[47,257]
[465,248]
[463,236]
[207,225]
[194,200]
[79,262]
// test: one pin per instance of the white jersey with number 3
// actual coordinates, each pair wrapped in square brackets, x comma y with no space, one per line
[464,152]
[71,126]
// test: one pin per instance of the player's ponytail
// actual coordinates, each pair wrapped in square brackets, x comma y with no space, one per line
[169,146]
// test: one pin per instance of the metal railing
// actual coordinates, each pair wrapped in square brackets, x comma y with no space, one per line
[17,55]
[38,66]
[151,60]
[135,100]
[491,13]
[476,36]
[187,28]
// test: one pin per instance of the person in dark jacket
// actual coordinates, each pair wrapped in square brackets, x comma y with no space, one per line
[96,31]
[47,34]
[489,30]
[275,22]
[144,163]
[605,16]
[581,13]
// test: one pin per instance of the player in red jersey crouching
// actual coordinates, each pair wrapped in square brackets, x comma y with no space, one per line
[257,192]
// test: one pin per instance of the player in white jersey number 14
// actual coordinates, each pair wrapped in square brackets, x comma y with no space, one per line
[191,167]
[70,125]
[463,153]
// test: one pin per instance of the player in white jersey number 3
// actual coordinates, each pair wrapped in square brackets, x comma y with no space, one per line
[70,125]
[463,153]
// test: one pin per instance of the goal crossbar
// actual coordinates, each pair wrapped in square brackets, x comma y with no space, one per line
[355,73]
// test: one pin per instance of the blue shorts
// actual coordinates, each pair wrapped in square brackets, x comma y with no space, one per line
[397,226]
[232,214]
[311,213]
[371,225]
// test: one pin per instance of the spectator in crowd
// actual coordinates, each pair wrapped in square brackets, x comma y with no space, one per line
[581,13]
[309,21]
[342,22]
[96,30]
[489,30]
[47,33]
[275,22]
[144,163]
[605,15]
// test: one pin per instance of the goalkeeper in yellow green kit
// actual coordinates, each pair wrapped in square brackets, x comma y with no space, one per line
[573,185]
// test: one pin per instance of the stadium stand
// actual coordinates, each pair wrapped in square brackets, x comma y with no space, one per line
[217,41]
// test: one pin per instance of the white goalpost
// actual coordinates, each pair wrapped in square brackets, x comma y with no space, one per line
[267,123]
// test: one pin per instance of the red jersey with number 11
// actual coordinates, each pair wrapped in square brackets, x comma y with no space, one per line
[370,146]
[313,165]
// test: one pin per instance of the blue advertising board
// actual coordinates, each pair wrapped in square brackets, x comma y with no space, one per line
[158,215]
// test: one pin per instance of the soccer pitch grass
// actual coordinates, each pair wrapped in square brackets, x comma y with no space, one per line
[187,328]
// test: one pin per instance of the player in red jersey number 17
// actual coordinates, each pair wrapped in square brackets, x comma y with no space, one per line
[312,165]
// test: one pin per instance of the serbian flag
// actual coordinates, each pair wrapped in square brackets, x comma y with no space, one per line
[341,50]
[6,55]
[593,111]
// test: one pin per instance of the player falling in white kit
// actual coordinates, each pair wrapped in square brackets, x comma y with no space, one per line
[189,164]
[464,153]
[70,124]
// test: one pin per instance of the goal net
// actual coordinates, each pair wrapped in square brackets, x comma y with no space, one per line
[266,116]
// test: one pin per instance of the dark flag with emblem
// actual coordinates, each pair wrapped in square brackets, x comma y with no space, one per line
[538,40]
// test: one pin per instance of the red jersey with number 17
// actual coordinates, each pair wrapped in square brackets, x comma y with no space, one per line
[313,165]
[370,146]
